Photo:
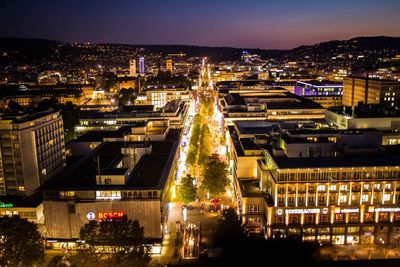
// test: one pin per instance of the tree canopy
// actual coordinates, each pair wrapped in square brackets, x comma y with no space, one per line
[20,242]
[215,175]
[187,191]
[123,237]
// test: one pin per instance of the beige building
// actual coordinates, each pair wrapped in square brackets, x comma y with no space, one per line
[31,151]
[370,91]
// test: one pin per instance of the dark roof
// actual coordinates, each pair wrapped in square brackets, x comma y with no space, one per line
[151,171]
[234,100]
[249,188]
[24,117]
[98,136]
[148,172]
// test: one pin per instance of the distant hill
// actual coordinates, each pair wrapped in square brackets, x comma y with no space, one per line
[28,50]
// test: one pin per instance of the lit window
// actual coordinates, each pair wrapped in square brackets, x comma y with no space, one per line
[321,187]
[21,188]
[332,187]
[365,198]
[386,197]
[343,199]
[343,187]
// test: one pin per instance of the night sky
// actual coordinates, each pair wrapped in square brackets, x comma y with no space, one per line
[238,23]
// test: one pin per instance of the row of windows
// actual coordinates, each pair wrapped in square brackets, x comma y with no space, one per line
[333,199]
[338,218]
[337,175]
[335,187]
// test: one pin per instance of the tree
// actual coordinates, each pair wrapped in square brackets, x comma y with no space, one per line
[126,96]
[20,242]
[204,145]
[187,191]
[229,227]
[13,106]
[124,237]
[215,175]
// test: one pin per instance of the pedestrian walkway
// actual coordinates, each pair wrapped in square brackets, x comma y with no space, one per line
[358,252]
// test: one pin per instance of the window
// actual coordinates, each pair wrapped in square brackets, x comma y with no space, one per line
[383,216]
[339,217]
[365,198]
[309,218]
[368,216]
[353,217]
[343,199]
[71,208]
[324,218]
[377,187]
[108,194]
[386,197]
[367,187]
[21,188]
[343,187]
[253,209]
[321,188]
[388,186]
[279,219]
[107,181]
[332,187]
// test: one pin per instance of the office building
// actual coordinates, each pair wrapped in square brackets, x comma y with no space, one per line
[271,104]
[370,91]
[31,151]
[142,69]
[132,67]
[326,93]
[328,186]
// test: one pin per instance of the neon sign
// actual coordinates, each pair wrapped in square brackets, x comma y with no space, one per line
[6,205]
[110,215]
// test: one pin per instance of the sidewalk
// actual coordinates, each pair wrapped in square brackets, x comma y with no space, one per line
[358,252]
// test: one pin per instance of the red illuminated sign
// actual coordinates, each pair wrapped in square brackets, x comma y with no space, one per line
[110,215]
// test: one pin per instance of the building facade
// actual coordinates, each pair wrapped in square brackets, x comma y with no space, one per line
[31,151]
[370,91]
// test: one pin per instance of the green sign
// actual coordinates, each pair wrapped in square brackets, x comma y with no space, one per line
[6,205]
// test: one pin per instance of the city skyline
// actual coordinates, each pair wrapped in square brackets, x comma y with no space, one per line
[273,25]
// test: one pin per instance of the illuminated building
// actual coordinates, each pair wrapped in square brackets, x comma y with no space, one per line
[169,65]
[160,96]
[327,94]
[331,187]
[174,111]
[31,151]
[368,116]
[273,104]
[370,91]
[77,94]
[114,179]
[132,67]
[142,69]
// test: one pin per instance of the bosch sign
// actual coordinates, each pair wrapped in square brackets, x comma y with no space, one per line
[110,215]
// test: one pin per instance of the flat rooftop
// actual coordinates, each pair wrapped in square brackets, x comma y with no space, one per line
[391,157]
[150,172]
[249,188]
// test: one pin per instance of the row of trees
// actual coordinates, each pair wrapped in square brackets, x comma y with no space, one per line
[111,242]
[200,142]
[106,243]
